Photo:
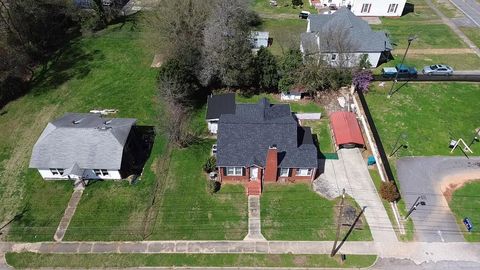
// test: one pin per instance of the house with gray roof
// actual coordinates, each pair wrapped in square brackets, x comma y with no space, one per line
[342,39]
[264,142]
[216,106]
[83,146]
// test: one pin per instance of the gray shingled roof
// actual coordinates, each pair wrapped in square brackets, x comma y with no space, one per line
[88,140]
[244,137]
[356,30]
[220,104]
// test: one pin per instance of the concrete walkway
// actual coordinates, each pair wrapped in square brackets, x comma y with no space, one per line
[418,252]
[254,222]
[454,27]
[67,216]
[350,172]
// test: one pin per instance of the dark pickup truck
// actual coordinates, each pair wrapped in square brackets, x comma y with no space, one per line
[403,71]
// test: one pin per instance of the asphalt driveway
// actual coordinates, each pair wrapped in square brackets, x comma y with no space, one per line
[418,176]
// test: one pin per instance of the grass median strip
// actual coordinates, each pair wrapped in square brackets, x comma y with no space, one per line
[464,204]
[33,260]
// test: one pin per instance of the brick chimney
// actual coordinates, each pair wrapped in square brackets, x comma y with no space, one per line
[271,164]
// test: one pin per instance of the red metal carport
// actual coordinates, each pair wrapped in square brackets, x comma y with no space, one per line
[346,130]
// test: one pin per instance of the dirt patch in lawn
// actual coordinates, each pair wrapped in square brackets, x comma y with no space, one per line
[454,182]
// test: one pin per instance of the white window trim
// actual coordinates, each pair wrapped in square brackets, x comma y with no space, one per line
[392,8]
[237,171]
[284,174]
[300,172]
[366,8]
[334,57]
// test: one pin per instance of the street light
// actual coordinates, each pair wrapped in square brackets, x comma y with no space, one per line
[410,39]
[416,204]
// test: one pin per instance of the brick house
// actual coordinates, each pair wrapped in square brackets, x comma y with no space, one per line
[263,142]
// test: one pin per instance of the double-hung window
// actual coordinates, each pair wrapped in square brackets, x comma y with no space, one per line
[304,172]
[56,171]
[234,171]
[100,172]
[392,8]
[284,172]
[366,8]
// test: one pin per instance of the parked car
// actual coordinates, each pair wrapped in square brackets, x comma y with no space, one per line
[403,71]
[438,70]
[303,14]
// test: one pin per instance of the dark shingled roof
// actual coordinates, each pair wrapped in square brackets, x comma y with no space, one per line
[220,104]
[245,136]
[358,31]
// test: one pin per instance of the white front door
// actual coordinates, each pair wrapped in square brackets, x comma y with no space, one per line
[253,173]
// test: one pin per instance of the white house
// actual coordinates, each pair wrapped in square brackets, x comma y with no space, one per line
[365,8]
[343,38]
[216,106]
[82,146]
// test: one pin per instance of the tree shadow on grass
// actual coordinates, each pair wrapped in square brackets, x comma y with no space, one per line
[71,62]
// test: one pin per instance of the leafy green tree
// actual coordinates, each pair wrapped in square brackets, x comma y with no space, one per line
[266,69]
[290,65]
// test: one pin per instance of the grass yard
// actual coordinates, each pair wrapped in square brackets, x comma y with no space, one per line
[430,114]
[465,203]
[188,211]
[32,260]
[322,130]
[422,12]
[429,35]
[107,70]
[465,61]
[473,34]
[303,106]
[295,212]
[283,9]
[285,33]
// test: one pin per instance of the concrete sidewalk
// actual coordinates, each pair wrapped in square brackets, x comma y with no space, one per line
[68,215]
[254,222]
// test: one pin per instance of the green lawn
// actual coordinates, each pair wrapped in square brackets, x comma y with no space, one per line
[107,70]
[473,34]
[430,113]
[468,61]
[295,212]
[284,7]
[322,130]
[303,106]
[188,211]
[32,260]
[465,203]
[285,33]
[429,35]
[422,12]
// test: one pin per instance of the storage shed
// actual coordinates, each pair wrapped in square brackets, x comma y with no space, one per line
[346,130]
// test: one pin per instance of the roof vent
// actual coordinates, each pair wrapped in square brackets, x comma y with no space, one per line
[108,122]
[104,128]
[273,146]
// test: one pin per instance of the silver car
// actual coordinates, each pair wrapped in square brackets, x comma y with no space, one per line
[438,70]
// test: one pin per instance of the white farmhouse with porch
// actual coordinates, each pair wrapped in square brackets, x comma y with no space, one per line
[366,8]
[83,146]
[343,38]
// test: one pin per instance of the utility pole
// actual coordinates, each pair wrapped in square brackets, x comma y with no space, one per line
[349,232]
[339,223]
[410,39]
[416,204]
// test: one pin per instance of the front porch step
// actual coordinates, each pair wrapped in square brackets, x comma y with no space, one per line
[254,188]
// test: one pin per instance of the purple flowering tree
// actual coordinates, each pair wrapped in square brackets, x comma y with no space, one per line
[362,79]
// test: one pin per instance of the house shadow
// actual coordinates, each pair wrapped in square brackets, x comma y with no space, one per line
[385,57]
[137,150]
[409,8]
[320,156]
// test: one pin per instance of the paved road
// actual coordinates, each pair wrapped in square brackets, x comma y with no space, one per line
[434,222]
[350,172]
[471,9]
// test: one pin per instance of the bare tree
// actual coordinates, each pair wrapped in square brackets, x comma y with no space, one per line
[226,54]
[337,39]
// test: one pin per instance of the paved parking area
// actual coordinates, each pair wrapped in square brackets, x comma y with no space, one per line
[418,176]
